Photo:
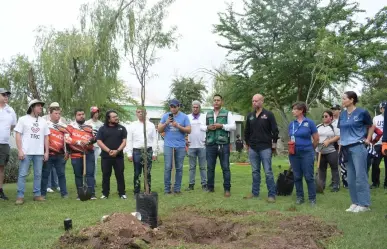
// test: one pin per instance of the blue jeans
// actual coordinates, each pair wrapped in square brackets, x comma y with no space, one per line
[78,170]
[23,173]
[138,163]
[302,165]
[52,179]
[358,186]
[200,154]
[256,158]
[179,160]
[54,164]
[223,152]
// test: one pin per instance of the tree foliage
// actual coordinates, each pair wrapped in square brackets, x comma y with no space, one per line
[291,50]
[186,90]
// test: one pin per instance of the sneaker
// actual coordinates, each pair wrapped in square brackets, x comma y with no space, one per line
[360,209]
[78,199]
[49,190]
[177,192]
[351,208]
[312,203]
[3,196]
[58,188]
[19,201]
[204,187]
[300,200]
[123,197]
[39,198]
[65,196]
[271,200]
[103,197]
[93,198]
[190,187]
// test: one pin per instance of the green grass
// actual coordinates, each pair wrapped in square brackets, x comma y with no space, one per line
[39,225]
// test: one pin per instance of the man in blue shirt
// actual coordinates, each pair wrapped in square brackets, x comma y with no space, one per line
[175,124]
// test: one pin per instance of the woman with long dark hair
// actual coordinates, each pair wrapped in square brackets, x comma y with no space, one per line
[301,151]
[354,124]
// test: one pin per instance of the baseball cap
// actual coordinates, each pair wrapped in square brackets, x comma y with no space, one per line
[174,102]
[54,104]
[335,107]
[2,90]
[94,109]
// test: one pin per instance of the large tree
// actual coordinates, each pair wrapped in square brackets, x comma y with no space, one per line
[186,90]
[136,29]
[293,50]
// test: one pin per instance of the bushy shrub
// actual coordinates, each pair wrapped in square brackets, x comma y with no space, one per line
[12,168]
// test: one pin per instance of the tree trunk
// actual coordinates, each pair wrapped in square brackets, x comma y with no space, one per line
[145,154]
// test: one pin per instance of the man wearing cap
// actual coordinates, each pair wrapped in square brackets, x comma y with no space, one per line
[219,123]
[336,110]
[96,124]
[175,124]
[33,145]
[378,122]
[7,123]
[80,138]
[55,166]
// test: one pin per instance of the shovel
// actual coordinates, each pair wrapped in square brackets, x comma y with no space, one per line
[85,191]
[173,170]
[319,184]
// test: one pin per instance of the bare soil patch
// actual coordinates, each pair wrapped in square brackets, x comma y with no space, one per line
[213,229]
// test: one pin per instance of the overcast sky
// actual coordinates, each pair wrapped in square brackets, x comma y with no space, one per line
[194,18]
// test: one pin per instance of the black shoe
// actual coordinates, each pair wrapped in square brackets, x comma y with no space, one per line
[211,190]
[190,187]
[167,193]
[177,192]
[300,200]
[3,196]
[204,187]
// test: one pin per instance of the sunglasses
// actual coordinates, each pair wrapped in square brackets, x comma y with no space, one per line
[325,116]
[5,94]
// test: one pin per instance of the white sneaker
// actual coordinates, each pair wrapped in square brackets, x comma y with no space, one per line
[104,197]
[360,209]
[58,188]
[49,190]
[351,208]
[93,198]
[123,197]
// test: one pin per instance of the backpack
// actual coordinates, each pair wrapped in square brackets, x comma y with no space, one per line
[285,183]
[335,144]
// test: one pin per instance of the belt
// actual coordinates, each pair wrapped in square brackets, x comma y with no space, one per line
[136,149]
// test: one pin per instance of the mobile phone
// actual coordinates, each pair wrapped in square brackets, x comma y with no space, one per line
[171,116]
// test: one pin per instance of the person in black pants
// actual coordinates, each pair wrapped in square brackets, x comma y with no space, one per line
[111,138]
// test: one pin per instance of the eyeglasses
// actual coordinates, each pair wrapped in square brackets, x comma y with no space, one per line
[325,116]
[5,94]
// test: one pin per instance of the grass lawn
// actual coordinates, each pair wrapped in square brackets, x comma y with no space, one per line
[39,225]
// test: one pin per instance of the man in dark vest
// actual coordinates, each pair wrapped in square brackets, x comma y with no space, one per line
[219,124]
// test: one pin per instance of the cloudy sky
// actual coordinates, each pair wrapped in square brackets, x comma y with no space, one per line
[194,18]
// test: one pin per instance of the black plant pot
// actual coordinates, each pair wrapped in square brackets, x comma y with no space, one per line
[147,206]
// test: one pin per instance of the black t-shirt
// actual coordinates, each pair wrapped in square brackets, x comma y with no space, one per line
[112,137]
[239,144]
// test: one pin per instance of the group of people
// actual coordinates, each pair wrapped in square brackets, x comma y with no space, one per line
[349,139]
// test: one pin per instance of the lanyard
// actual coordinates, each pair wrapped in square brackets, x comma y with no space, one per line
[294,131]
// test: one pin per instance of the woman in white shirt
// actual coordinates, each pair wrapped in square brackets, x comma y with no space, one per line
[329,135]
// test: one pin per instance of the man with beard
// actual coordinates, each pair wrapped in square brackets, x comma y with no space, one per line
[81,139]
[32,143]
[7,123]
[111,139]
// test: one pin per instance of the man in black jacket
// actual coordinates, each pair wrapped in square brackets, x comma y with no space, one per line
[261,135]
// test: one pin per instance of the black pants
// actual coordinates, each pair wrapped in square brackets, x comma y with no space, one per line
[138,162]
[376,166]
[333,160]
[107,164]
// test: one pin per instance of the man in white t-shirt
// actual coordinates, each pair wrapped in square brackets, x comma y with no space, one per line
[197,146]
[96,124]
[33,145]
[7,123]
[378,121]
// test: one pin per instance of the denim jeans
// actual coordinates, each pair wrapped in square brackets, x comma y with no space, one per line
[302,165]
[78,170]
[138,162]
[52,178]
[223,152]
[358,186]
[179,160]
[58,164]
[256,157]
[200,155]
[23,173]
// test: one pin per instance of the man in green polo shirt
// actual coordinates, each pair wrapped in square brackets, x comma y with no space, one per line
[219,123]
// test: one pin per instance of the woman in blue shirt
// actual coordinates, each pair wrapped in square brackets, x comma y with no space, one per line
[354,124]
[300,132]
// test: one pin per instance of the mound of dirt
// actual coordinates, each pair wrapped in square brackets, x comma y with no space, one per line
[217,228]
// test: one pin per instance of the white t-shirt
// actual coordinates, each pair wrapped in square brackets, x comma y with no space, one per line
[326,132]
[378,122]
[197,136]
[32,132]
[7,119]
[95,125]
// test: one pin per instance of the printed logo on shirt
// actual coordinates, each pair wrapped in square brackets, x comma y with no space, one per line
[251,118]
[306,124]
[264,116]
[356,118]
[35,129]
